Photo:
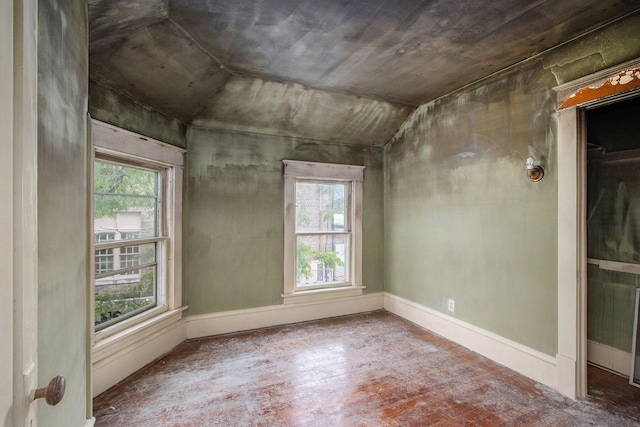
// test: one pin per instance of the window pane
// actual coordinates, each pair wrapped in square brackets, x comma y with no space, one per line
[320,207]
[126,208]
[322,260]
[126,201]
[120,296]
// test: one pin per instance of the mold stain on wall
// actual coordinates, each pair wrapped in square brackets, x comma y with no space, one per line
[462,220]
[234,226]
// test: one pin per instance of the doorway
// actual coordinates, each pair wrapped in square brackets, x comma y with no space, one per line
[575,98]
[612,232]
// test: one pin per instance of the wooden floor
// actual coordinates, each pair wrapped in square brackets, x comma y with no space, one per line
[373,369]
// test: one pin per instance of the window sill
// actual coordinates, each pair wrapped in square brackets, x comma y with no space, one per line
[130,323]
[314,295]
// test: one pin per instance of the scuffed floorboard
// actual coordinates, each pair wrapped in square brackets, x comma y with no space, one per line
[373,369]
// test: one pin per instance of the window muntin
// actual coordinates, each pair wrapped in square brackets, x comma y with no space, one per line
[127,203]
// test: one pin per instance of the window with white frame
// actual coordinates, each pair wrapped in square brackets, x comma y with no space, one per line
[137,201]
[127,194]
[323,230]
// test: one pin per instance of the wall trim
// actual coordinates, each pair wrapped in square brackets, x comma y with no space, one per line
[114,361]
[261,317]
[522,359]
[572,257]
[610,358]
[90,422]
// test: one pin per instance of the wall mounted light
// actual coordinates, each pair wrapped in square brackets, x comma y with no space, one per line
[534,171]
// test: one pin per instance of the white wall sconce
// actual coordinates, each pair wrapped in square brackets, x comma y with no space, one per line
[534,171]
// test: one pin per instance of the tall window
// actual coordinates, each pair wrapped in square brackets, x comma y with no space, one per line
[322,236]
[323,223]
[128,196]
[137,206]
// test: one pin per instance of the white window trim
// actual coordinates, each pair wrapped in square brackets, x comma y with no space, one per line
[299,170]
[113,141]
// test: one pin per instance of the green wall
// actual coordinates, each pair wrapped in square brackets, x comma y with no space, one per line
[461,219]
[233,216]
[452,216]
[62,207]
[116,109]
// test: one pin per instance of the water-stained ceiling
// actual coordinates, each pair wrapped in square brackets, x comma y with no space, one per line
[347,71]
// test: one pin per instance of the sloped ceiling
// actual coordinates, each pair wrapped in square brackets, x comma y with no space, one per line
[348,71]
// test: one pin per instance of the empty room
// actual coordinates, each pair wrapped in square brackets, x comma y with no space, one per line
[338,212]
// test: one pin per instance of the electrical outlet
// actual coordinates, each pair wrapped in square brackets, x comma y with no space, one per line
[451,305]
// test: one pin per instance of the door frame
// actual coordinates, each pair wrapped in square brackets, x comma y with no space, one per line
[19,144]
[574,98]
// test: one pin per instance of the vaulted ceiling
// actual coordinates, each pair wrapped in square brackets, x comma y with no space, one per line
[348,71]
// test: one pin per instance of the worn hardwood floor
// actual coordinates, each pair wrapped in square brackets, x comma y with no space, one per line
[373,369]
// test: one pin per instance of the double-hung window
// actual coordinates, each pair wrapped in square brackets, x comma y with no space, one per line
[128,195]
[137,191]
[323,230]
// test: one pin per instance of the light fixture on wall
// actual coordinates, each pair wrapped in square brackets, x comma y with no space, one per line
[534,171]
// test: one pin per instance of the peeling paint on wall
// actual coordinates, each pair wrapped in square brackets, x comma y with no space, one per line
[624,81]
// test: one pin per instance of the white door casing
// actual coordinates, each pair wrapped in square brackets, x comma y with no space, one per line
[574,97]
[18,173]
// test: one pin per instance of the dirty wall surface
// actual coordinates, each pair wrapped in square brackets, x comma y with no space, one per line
[462,221]
[234,216]
[62,208]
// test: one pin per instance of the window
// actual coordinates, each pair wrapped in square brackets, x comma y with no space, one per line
[127,195]
[104,257]
[137,185]
[323,225]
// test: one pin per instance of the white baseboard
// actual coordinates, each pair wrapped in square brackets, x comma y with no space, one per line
[262,317]
[116,358]
[90,422]
[115,367]
[524,360]
[609,358]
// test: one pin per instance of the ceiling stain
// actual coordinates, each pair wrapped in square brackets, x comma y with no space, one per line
[348,71]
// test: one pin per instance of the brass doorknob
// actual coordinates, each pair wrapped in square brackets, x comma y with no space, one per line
[53,392]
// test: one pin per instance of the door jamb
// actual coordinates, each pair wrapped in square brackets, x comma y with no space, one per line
[23,36]
[607,86]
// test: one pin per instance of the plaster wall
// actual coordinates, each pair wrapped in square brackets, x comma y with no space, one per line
[114,108]
[6,212]
[233,216]
[462,221]
[62,207]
